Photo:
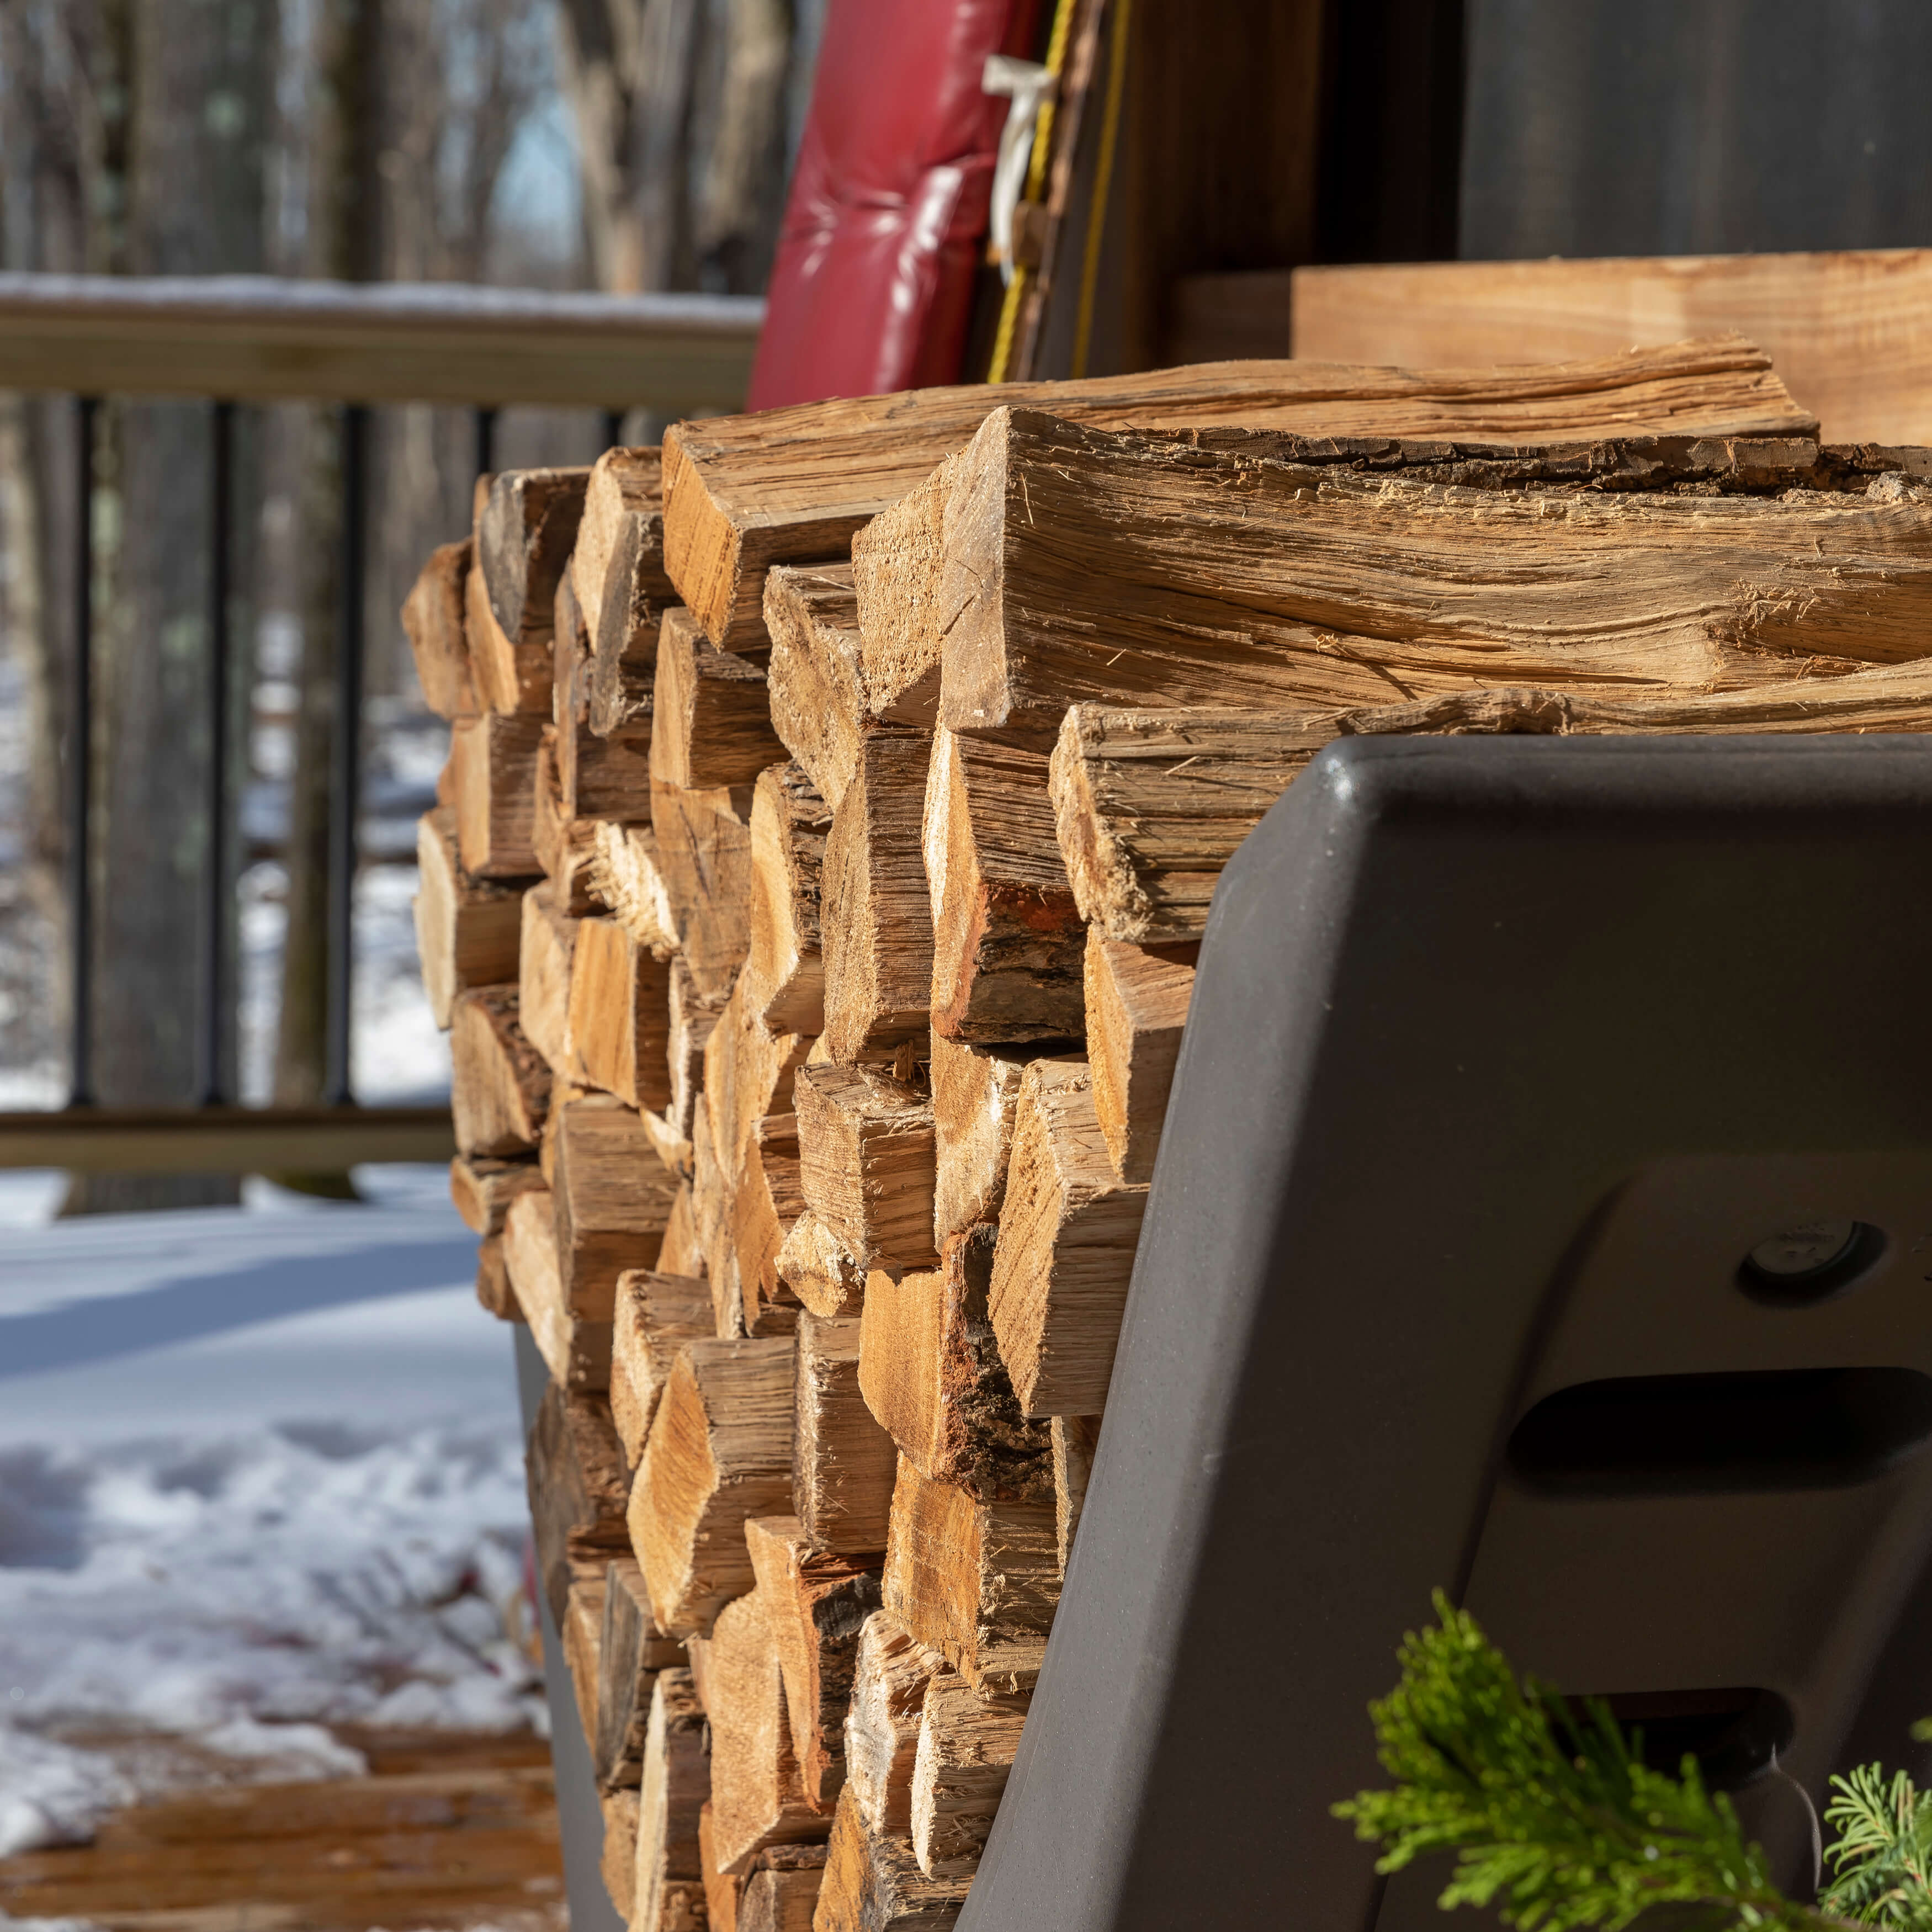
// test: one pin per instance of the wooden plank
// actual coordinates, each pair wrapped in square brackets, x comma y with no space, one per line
[259,338]
[1846,330]
[222,1140]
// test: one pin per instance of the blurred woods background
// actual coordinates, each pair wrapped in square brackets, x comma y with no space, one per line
[624,144]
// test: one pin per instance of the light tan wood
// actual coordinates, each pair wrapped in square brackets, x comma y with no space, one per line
[930,1370]
[509,677]
[543,977]
[676,1783]
[875,913]
[896,561]
[582,1632]
[624,483]
[1007,939]
[866,1140]
[813,1263]
[704,857]
[577,1351]
[780,1900]
[891,1672]
[693,1017]
[611,1199]
[1074,1439]
[815,1602]
[493,766]
[1068,1230]
[748,1074]
[619,1014]
[974,1090]
[565,847]
[499,1083]
[977,1582]
[815,675]
[784,975]
[466,929]
[630,1652]
[967,1746]
[607,774]
[1150,805]
[722,1889]
[577,1483]
[625,875]
[794,485]
[844,1465]
[1137,1000]
[1224,574]
[874,1884]
[719,1450]
[523,540]
[482,1189]
[682,1253]
[1844,329]
[711,718]
[767,1201]
[617,1862]
[433,620]
[494,1294]
[674,1149]
[758,1793]
[711,1193]
[654,1315]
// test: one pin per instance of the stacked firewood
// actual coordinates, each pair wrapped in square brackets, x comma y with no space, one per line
[835,801]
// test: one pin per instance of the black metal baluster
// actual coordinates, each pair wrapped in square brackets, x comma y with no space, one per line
[613,428]
[344,797]
[483,420]
[217,976]
[80,766]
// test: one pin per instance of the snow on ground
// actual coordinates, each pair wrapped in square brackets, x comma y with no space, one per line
[260,1474]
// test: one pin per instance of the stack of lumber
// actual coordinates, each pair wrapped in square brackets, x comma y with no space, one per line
[836,799]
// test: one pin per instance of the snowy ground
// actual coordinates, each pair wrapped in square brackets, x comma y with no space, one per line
[260,1474]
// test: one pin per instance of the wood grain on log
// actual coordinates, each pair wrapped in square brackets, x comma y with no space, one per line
[625,875]
[1074,1439]
[576,1481]
[576,1351]
[618,1014]
[873,1883]
[1137,1000]
[783,974]
[630,1652]
[510,676]
[482,1189]
[844,1465]
[433,620]
[466,929]
[611,1199]
[815,675]
[624,485]
[524,541]
[711,718]
[748,1074]
[967,1745]
[865,1141]
[495,1293]
[493,766]
[565,847]
[499,1083]
[655,1314]
[676,1784]
[549,939]
[973,1091]
[814,1263]
[896,563]
[891,1670]
[704,857]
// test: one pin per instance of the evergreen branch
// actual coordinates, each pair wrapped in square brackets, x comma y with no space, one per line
[1881,1859]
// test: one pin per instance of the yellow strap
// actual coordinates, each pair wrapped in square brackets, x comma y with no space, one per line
[1103,177]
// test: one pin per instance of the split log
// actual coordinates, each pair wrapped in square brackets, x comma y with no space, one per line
[967,1746]
[844,1465]
[624,639]
[891,1671]
[611,1199]
[1150,805]
[1007,937]
[719,1451]
[682,1253]
[814,1264]
[565,847]
[763,1206]
[815,1604]
[866,1141]
[896,564]
[875,914]
[930,1370]
[577,1351]
[509,677]
[499,1083]
[581,1629]
[623,484]
[758,1794]
[794,485]
[617,1861]
[974,1089]
[1180,575]
[704,858]
[543,976]
[631,1650]
[711,718]
[749,1074]
[493,766]
[466,929]
[1137,999]
[483,1189]
[494,1294]
[618,1014]
[815,677]
[783,1898]
[1074,1439]
[710,1200]
[692,1018]
[677,1781]
[433,620]
[570,654]
[578,1483]
[873,1883]
[783,974]
[978,1581]
[1068,1231]
[625,875]
[523,541]
[655,1315]
[722,1890]
[606,775]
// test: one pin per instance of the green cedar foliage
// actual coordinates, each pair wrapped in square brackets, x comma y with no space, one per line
[1557,1823]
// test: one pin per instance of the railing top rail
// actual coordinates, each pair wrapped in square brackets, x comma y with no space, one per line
[262,338]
